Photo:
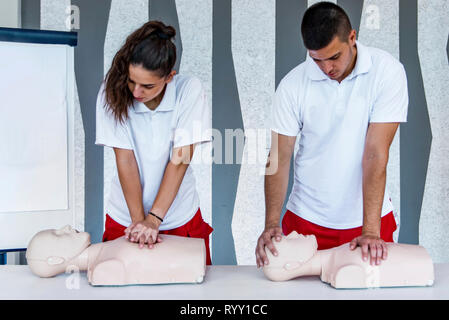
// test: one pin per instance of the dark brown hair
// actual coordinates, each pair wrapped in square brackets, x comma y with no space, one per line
[151,47]
[322,22]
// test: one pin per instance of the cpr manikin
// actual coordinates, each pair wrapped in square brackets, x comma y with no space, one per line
[117,262]
[341,267]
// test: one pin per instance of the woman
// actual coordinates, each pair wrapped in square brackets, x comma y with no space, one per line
[151,118]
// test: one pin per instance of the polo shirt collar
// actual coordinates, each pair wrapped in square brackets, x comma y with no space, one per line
[362,65]
[167,103]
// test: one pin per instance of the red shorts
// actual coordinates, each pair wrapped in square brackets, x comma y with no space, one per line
[329,238]
[195,228]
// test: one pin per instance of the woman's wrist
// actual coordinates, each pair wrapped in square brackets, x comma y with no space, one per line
[153,218]
[137,217]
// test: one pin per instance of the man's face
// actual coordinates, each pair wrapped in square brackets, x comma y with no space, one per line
[336,60]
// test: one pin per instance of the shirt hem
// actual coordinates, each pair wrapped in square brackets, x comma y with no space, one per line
[113,145]
[188,143]
[170,226]
[387,120]
[179,224]
[285,133]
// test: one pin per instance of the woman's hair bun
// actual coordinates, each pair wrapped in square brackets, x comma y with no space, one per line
[165,32]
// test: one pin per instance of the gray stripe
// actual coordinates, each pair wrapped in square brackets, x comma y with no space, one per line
[166,12]
[89,55]
[31,14]
[353,9]
[416,135]
[226,114]
[290,51]
[447,49]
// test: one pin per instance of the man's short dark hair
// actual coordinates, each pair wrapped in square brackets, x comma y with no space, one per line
[322,22]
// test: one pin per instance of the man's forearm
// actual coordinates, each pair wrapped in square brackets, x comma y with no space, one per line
[275,192]
[374,179]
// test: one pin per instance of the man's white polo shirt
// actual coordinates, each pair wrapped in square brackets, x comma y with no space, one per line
[182,118]
[332,119]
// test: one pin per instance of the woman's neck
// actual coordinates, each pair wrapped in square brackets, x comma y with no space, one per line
[154,103]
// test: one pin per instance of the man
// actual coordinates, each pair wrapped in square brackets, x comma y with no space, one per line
[346,100]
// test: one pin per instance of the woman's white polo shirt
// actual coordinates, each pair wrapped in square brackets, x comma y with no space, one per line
[332,119]
[182,118]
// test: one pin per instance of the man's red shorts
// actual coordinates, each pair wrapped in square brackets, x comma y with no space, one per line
[329,238]
[195,228]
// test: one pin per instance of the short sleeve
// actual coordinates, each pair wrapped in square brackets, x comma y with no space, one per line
[194,116]
[109,132]
[391,103]
[285,117]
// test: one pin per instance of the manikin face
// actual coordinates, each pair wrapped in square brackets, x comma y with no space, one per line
[146,85]
[294,250]
[336,60]
[57,246]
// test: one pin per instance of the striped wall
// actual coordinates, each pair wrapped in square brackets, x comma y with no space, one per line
[240,49]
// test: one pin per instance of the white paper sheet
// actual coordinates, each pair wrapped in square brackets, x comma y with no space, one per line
[33,127]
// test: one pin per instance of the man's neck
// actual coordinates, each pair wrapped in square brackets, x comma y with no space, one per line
[351,66]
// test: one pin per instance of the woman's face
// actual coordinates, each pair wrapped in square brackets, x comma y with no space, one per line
[146,85]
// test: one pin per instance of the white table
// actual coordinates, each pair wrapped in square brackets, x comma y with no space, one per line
[221,283]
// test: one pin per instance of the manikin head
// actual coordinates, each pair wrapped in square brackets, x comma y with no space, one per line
[50,251]
[294,251]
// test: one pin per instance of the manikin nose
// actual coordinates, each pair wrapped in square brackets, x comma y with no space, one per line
[65,229]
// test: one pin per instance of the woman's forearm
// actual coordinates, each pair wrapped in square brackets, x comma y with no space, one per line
[128,173]
[173,176]
[172,179]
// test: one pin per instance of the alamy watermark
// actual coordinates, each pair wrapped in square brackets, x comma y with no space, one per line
[372,276]
[252,146]
[72,22]
[73,280]
[372,20]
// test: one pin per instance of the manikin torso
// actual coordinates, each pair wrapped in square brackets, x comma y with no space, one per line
[341,267]
[118,262]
